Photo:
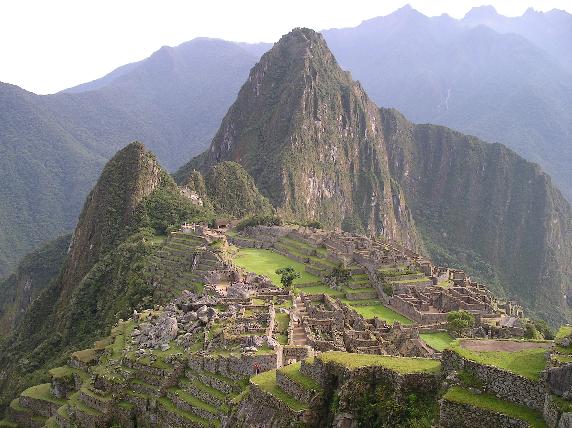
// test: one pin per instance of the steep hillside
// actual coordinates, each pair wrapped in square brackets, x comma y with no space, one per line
[232,191]
[52,148]
[500,87]
[34,274]
[318,148]
[310,138]
[482,207]
[105,274]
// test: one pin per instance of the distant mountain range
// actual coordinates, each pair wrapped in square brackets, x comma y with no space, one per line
[53,147]
[507,82]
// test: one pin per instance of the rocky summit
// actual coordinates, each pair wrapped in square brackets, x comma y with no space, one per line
[325,263]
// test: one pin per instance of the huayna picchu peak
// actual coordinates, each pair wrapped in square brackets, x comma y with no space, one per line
[311,139]
[324,263]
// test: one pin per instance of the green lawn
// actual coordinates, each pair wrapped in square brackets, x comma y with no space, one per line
[265,262]
[438,341]
[527,362]
[403,365]
[490,402]
[382,312]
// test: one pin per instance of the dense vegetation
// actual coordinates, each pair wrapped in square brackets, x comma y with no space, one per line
[104,276]
[34,273]
[232,192]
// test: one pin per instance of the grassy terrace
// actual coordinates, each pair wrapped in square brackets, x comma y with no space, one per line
[489,402]
[527,362]
[169,406]
[438,341]
[74,401]
[193,401]
[267,382]
[565,330]
[403,365]
[42,392]
[265,262]
[292,371]
[378,310]
[320,289]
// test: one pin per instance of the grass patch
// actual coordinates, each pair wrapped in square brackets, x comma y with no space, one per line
[86,355]
[403,365]
[380,311]
[265,262]
[240,396]
[292,372]
[170,406]
[267,382]
[282,321]
[527,362]
[438,341]
[193,401]
[489,402]
[42,392]
[320,289]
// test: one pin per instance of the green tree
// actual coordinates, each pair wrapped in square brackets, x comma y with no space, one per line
[287,276]
[339,276]
[459,321]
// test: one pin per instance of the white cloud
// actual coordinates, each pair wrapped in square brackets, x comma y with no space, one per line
[46,46]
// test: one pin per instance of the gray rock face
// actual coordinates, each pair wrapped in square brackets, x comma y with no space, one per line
[565,420]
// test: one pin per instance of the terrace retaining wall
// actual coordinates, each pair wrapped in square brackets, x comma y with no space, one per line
[504,384]
[456,415]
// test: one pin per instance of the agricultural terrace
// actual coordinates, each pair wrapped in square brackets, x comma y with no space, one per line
[525,358]
[402,365]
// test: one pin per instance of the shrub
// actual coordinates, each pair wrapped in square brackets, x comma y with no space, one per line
[288,275]
[459,321]
[259,220]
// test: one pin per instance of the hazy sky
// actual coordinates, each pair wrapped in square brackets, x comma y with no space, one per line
[49,45]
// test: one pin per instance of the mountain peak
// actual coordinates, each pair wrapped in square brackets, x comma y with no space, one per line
[131,175]
[481,12]
[307,133]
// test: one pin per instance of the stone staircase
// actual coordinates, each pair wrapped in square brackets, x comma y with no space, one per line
[298,334]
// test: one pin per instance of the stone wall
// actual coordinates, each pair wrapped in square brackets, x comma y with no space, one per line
[455,415]
[410,312]
[505,385]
